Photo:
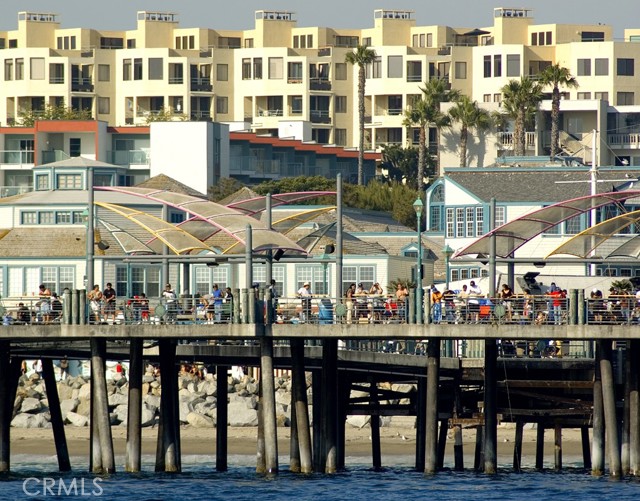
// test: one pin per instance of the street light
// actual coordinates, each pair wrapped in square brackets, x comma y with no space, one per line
[417,206]
[448,252]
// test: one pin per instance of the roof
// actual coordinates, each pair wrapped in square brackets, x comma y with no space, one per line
[164,182]
[40,242]
[535,185]
[242,194]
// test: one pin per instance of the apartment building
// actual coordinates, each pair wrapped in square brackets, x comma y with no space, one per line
[279,76]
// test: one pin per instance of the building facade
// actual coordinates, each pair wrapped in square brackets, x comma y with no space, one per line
[278,76]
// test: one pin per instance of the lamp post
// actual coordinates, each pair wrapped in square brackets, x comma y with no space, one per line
[417,206]
[448,252]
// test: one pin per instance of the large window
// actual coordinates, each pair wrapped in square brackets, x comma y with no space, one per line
[69,181]
[460,70]
[155,68]
[222,72]
[222,105]
[340,137]
[8,69]
[465,222]
[513,65]
[126,69]
[275,68]
[315,275]
[19,68]
[340,104]
[624,98]
[104,105]
[625,67]
[486,62]
[37,68]
[394,67]
[294,72]
[137,69]
[133,280]
[601,66]
[584,67]
[104,73]
[497,65]
[341,71]
[376,67]
[277,273]
[205,277]
[257,68]
[365,274]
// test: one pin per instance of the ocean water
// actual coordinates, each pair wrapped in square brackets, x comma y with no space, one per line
[35,477]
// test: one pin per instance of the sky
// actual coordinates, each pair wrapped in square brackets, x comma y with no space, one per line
[216,14]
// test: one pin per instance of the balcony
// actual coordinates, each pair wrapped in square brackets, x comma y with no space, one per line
[176,80]
[505,140]
[394,112]
[50,156]
[626,141]
[294,80]
[129,157]
[324,52]
[270,113]
[201,116]
[201,84]
[16,157]
[320,117]
[320,83]
[9,191]
[81,84]
[56,80]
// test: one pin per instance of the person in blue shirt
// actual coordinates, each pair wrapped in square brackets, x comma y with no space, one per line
[216,296]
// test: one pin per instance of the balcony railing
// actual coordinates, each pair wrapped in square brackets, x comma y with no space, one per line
[9,191]
[16,157]
[129,157]
[56,80]
[394,111]
[294,80]
[50,156]
[201,116]
[81,84]
[506,139]
[631,141]
[270,113]
[320,117]
[414,78]
[176,80]
[321,83]
[201,84]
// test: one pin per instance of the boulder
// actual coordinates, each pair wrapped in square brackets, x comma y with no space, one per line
[23,421]
[84,408]
[199,421]
[31,405]
[358,421]
[283,397]
[85,391]
[148,417]
[403,388]
[116,399]
[76,419]
[241,415]
[153,401]
[69,405]
[64,392]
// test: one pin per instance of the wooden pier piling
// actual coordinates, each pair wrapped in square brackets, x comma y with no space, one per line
[557,447]
[329,403]
[540,446]
[6,408]
[598,435]
[490,407]
[57,423]
[421,426]
[101,407]
[222,417]
[268,408]
[517,446]
[168,433]
[609,404]
[634,408]
[431,423]
[133,459]
[299,395]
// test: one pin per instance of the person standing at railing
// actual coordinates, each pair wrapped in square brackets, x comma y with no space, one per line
[169,295]
[463,305]
[216,296]
[557,299]
[402,292]
[273,295]
[95,298]
[109,298]
[23,315]
[506,294]
[436,304]
[351,290]
[475,293]
[44,305]
[304,293]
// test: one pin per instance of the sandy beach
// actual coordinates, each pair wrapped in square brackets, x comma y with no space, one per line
[396,441]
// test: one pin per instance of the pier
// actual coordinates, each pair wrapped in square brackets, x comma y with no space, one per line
[593,387]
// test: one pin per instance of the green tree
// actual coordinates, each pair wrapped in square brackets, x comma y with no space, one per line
[421,114]
[556,76]
[470,116]
[520,102]
[361,56]
[59,112]
[225,187]
[400,163]
[435,92]
[166,114]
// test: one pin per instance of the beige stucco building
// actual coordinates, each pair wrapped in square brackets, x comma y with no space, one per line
[280,78]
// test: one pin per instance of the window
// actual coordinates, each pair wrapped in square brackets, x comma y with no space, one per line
[75,147]
[623,98]
[487,66]
[464,222]
[222,72]
[111,43]
[69,181]
[104,73]
[134,279]
[593,36]
[104,105]
[497,97]
[497,65]
[28,217]
[584,67]
[222,104]
[584,95]
[340,104]
[414,71]
[155,68]
[513,65]
[37,68]
[126,69]
[573,225]
[534,39]
[394,67]
[549,38]
[625,67]
[486,98]
[246,69]
[137,68]
[315,275]
[42,182]
[257,68]
[277,273]
[294,72]
[601,66]
[356,275]
[63,217]
[429,39]
[366,41]
[8,69]
[296,105]
[340,137]
[275,68]
[460,70]
[341,71]
[309,41]
[603,96]
[19,69]
[131,44]
[376,67]
[501,216]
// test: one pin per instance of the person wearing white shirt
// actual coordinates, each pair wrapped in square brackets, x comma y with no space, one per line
[474,300]
[304,293]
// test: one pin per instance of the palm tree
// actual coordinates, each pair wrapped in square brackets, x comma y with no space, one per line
[556,76]
[361,56]
[470,116]
[434,92]
[520,101]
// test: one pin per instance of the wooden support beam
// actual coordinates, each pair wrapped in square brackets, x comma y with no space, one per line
[586,451]
[490,407]
[133,460]
[557,447]
[433,376]
[222,418]
[269,405]
[329,404]
[101,406]
[170,448]
[300,406]
[57,423]
[609,404]
[534,383]
[517,447]
[634,408]
[540,447]
[376,454]
[421,425]
[442,441]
